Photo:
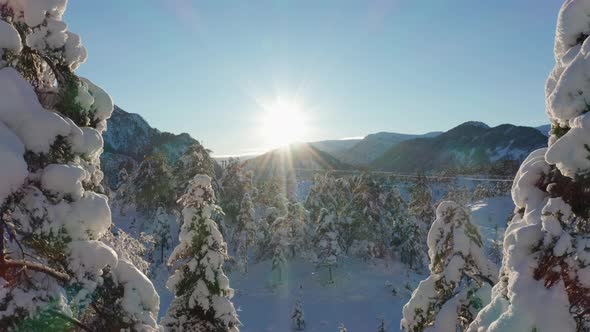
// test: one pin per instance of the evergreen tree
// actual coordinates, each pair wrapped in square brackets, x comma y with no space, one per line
[279,246]
[327,246]
[195,160]
[235,183]
[264,234]
[341,328]
[361,218]
[406,234]
[151,185]
[297,315]
[408,239]
[202,294]
[420,205]
[297,222]
[55,273]
[161,232]
[545,283]
[245,234]
[381,327]
[460,275]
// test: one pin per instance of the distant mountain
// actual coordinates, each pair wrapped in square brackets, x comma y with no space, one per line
[373,146]
[472,145]
[544,129]
[283,161]
[129,138]
[336,145]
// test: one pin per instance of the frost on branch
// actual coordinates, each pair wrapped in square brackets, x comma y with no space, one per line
[460,275]
[55,274]
[203,296]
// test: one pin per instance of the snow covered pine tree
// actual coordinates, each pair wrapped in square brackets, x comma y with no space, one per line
[328,246]
[461,276]
[547,244]
[55,273]
[279,245]
[161,232]
[245,234]
[203,296]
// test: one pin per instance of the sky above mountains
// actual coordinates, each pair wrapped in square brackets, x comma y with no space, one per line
[208,68]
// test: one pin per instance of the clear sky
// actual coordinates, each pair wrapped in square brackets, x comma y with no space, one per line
[355,67]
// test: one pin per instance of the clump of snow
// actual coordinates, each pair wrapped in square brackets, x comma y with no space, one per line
[21,112]
[571,25]
[140,300]
[103,104]
[90,215]
[9,38]
[569,153]
[90,257]
[66,179]
[14,167]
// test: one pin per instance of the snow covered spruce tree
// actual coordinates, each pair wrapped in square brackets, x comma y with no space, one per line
[460,278]
[55,273]
[279,245]
[545,275]
[297,315]
[327,246]
[406,234]
[245,232]
[235,183]
[151,185]
[298,232]
[420,205]
[161,233]
[195,160]
[202,300]
[407,240]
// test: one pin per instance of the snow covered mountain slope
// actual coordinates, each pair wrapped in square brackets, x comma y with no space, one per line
[373,146]
[471,146]
[129,138]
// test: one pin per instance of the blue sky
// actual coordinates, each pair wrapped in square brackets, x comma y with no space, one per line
[357,67]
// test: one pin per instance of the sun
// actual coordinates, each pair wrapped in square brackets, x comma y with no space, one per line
[282,122]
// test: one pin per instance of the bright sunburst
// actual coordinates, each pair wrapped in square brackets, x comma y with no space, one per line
[283,122]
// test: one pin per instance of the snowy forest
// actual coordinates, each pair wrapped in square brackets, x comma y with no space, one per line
[169,238]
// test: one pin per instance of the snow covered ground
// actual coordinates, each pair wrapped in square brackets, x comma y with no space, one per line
[361,295]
